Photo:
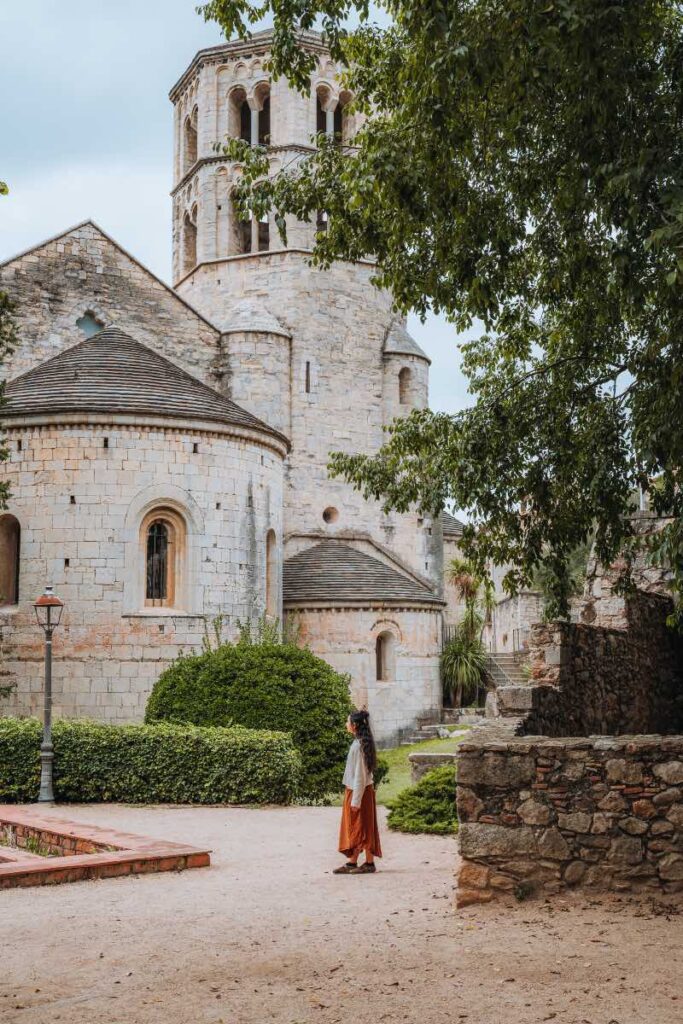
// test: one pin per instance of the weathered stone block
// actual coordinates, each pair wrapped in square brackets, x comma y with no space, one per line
[574,872]
[576,822]
[473,876]
[634,826]
[671,772]
[498,770]
[671,867]
[553,845]
[644,809]
[621,770]
[533,812]
[468,803]
[625,850]
[479,840]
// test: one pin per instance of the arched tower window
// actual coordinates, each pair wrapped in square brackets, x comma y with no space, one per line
[10,545]
[384,657]
[162,538]
[321,222]
[190,141]
[262,97]
[404,386]
[271,574]
[239,116]
[189,242]
[263,234]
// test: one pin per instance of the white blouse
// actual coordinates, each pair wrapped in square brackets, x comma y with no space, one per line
[356,774]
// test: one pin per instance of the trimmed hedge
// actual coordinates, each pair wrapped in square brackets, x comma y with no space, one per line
[264,685]
[149,763]
[428,807]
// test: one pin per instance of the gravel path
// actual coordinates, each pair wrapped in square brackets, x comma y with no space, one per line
[268,934]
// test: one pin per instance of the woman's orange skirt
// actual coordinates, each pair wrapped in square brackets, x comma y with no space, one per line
[359,829]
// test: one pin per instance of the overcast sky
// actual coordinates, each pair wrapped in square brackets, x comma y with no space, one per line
[86,132]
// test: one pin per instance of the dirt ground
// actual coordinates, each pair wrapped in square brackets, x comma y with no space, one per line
[268,934]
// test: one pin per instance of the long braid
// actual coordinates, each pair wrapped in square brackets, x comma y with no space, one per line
[361,720]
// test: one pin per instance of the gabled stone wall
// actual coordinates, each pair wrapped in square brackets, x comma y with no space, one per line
[539,815]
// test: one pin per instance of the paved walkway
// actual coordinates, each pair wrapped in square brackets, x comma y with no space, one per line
[267,935]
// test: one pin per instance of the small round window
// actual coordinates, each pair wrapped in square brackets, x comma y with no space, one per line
[330,515]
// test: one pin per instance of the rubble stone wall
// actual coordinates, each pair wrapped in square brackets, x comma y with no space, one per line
[596,680]
[540,815]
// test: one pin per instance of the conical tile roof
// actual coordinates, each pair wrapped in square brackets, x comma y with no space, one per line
[112,373]
[333,571]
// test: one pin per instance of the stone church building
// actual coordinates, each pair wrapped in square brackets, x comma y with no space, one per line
[169,446]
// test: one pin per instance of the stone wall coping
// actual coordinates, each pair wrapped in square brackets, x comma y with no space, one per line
[397,604]
[435,757]
[180,425]
[491,740]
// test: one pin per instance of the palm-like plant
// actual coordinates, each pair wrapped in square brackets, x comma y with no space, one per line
[463,665]
[463,661]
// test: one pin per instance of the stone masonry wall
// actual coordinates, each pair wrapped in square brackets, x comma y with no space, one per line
[83,270]
[539,815]
[80,506]
[594,680]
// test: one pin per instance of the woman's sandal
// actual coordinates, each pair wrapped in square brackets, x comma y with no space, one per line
[364,869]
[345,869]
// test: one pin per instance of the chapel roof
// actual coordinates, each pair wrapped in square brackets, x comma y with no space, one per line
[112,373]
[399,342]
[451,526]
[252,316]
[335,572]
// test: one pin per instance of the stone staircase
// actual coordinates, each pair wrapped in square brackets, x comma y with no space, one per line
[507,668]
[511,697]
[451,720]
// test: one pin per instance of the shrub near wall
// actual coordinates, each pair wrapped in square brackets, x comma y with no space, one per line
[149,763]
[264,685]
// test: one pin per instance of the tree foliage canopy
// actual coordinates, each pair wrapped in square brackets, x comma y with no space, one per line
[522,168]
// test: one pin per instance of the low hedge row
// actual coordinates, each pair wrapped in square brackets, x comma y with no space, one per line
[149,763]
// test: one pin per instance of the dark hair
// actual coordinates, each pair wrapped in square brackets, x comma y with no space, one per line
[361,720]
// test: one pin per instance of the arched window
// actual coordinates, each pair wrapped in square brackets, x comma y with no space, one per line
[239,115]
[190,141]
[404,386]
[163,544]
[262,95]
[10,544]
[384,657]
[263,234]
[189,243]
[321,222]
[271,574]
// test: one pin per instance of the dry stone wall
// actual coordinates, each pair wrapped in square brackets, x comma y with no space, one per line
[592,679]
[539,815]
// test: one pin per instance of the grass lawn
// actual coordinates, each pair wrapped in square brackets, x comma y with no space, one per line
[399,765]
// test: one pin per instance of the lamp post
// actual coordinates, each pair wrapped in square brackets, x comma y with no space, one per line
[48,613]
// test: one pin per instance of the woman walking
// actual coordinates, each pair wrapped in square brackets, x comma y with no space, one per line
[359,832]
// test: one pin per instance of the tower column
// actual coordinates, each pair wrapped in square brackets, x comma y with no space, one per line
[254,126]
[329,122]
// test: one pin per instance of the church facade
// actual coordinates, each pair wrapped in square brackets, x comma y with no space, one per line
[169,446]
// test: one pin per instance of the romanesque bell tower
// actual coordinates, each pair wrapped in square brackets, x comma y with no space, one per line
[321,356]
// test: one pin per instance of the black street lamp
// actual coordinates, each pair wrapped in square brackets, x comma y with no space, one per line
[48,613]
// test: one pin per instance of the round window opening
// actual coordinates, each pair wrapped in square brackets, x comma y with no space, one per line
[330,515]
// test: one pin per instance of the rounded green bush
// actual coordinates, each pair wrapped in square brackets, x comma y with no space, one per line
[264,686]
[428,807]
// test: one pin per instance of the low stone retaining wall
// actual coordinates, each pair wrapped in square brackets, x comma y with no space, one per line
[420,764]
[543,815]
